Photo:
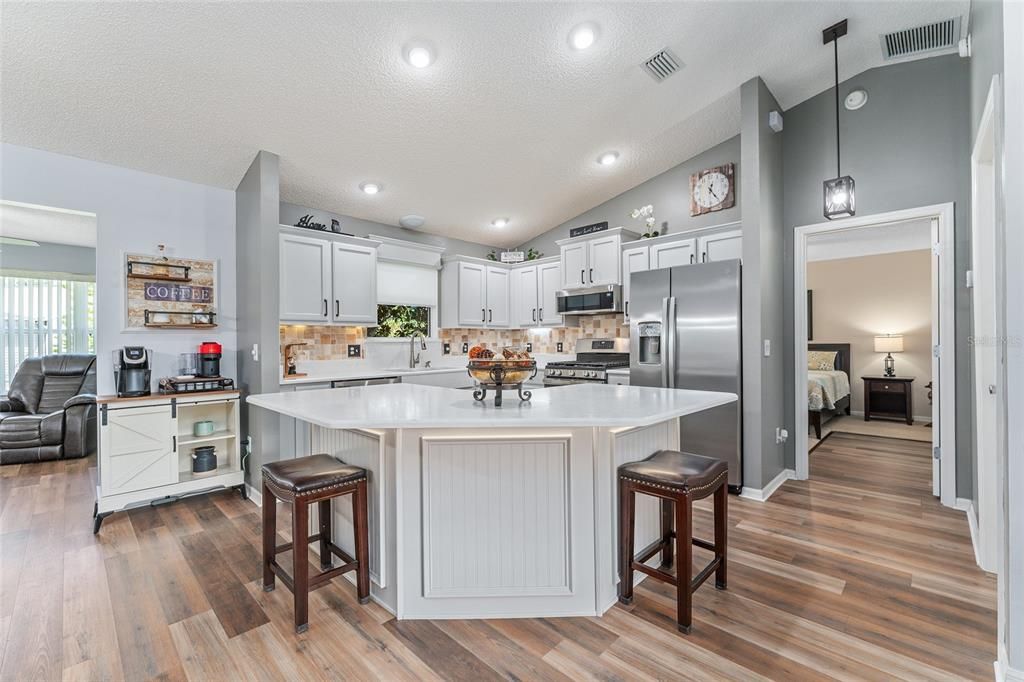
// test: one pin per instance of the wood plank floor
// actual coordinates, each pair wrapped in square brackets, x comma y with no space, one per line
[856,574]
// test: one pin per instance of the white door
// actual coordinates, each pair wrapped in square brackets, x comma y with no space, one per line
[574,265]
[721,246]
[549,277]
[305,279]
[138,449]
[524,295]
[682,252]
[354,284]
[498,314]
[604,256]
[635,259]
[472,295]
[937,343]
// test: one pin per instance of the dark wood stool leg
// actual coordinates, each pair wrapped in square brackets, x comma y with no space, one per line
[667,529]
[269,537]
[362,533]
[627,511]
[684,563]
[300,563]
[324,512]
[721,532]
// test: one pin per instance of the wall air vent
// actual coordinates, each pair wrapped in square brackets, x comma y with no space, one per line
[911,42]
[662,65]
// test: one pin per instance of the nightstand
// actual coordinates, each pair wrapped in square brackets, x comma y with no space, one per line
[888,398]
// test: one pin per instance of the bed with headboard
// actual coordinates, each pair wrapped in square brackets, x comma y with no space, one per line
[828,382]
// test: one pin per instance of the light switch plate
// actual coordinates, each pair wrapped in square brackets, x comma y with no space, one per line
[767,347]
[355,350]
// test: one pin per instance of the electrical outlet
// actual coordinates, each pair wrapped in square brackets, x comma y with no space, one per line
[767,348]
[558,347]
[255,352]
[355,350]
[465,348]
[446,349]
[781,435]
[529,347]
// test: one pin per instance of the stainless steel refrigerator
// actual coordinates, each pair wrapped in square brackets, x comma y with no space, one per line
[685,333]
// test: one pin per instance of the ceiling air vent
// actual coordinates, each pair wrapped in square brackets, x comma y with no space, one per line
[942,35]
[662,65]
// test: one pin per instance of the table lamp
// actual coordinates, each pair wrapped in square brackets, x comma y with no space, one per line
[889,344]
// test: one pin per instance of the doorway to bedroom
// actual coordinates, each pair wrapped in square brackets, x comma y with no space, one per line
[874,304]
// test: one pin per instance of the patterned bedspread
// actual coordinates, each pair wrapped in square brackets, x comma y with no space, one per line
[825,388]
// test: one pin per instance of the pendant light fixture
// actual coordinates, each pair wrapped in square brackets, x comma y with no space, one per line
[839,191]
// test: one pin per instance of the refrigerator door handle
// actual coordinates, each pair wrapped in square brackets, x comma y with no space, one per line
[670,323]
[665,355]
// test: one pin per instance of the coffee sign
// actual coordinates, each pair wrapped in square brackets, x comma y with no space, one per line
[179,293]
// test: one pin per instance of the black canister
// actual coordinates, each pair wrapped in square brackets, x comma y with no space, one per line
[204,459]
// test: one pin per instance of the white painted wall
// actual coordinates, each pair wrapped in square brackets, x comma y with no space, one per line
[134,212]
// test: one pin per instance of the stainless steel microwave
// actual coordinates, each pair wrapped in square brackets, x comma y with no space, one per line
[590,301]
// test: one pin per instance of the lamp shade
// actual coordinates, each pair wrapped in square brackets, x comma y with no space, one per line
[890,343]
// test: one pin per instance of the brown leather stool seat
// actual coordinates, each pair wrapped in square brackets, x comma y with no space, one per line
[678,479]
[303,481]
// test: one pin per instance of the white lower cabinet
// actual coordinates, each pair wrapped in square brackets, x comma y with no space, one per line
[146,447]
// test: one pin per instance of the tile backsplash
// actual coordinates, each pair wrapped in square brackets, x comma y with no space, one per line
[331,343]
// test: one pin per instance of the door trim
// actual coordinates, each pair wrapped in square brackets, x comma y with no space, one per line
[947,362]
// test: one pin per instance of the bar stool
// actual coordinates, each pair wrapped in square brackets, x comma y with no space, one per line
[678,479]
[303,481]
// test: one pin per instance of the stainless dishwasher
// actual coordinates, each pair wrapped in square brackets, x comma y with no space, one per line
[353,383]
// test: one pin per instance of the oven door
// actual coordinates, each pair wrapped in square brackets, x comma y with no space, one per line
[557,381]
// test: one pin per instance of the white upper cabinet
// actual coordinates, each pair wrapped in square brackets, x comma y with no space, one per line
[472,294]
[593,261]
[603,267]
[327,280]
[671,254]
[305,280]
[634,259]
[549,277]
[721,246]
[498,297]
[575,258]
[354,284]
[525,306]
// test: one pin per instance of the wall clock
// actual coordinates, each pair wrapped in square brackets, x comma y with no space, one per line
[712,189]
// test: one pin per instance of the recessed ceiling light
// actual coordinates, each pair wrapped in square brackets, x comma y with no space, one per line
[608,158]
[583,36]
[499,222]
[856,99]
[419,56]
[370,187]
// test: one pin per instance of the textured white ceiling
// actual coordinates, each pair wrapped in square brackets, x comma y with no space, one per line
[507,122]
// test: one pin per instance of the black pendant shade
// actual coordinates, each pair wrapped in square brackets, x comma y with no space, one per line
[840,199]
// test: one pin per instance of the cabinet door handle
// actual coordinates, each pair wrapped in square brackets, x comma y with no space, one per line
[583,276]
[325,307]
[490,315]
[483,314]
[174,443]
[534,313]
[337,308]
[627,308]
[541,314]
[704,257]
[591,275]
[691,259]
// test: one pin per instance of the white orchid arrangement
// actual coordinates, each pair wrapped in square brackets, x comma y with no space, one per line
[646,214]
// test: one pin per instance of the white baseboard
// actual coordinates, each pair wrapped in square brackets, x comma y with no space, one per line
[1003,672]
[255,495]
[762,494]
[967,507]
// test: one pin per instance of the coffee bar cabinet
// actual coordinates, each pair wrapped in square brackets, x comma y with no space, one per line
[146,448]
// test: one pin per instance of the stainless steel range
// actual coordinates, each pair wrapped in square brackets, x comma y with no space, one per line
[594,357]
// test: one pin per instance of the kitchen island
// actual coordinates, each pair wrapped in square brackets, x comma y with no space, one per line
[485,512]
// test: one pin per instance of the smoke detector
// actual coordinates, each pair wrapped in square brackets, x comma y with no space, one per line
[662,65]
[941,36]
[412,221]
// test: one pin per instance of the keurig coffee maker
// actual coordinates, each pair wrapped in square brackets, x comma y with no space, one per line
[209,359]
[132,371]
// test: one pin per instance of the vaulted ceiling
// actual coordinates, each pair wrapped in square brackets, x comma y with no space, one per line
[508,121]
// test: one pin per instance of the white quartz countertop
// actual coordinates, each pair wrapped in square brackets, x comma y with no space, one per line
[396,406]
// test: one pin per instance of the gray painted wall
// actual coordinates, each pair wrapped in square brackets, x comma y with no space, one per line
[908,147]
[47,257]
[290,214]
[669,193]
[763,239]
[256,209]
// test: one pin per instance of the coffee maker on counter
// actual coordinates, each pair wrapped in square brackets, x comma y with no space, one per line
[132,371]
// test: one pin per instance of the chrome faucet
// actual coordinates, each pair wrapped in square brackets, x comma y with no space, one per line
[414,357]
